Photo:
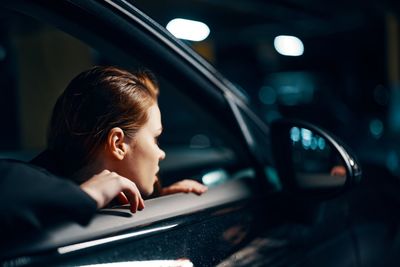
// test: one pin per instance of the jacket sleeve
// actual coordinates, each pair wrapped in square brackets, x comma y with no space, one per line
[31,198]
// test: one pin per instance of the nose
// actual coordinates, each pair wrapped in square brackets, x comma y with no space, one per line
[162,154]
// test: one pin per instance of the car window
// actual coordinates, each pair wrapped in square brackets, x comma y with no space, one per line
[38,61]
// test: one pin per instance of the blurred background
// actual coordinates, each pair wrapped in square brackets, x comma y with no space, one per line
[343,73]
[333,63]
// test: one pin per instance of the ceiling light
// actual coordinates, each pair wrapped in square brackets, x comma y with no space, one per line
[188,29]
[288,45]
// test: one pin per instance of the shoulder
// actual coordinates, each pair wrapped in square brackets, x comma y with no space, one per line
[16,166]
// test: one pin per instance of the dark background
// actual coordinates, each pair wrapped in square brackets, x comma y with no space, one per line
[347,80]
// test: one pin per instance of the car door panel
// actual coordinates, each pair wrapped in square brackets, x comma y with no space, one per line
[170,227]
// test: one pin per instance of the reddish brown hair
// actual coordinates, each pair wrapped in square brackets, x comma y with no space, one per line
[94,102]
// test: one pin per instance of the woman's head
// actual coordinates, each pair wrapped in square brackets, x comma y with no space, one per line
[105,112]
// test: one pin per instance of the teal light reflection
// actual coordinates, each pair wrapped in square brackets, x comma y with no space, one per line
[321,143]
[295,134]
[314,143]
[376,128]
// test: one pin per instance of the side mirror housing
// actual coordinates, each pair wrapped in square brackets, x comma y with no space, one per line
[310,161]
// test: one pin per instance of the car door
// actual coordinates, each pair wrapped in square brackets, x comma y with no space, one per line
[47,43]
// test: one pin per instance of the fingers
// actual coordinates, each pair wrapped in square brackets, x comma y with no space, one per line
[107,185]
[133,196]
[199,189]
[185,186]
[141,203]
[171,190]
[133,200]
[192,186]
[122,199]
[196,187]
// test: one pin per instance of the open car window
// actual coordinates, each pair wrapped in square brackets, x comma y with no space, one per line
[38,62]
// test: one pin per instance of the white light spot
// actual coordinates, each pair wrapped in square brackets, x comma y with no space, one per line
[188,29]
[288,45]
[306,134]
[214,178]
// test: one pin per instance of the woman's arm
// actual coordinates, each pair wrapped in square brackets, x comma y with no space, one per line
[31,198]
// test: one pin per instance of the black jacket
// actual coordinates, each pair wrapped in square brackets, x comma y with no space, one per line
[32,198]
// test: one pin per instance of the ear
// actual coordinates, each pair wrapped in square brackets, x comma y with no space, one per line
[116,143]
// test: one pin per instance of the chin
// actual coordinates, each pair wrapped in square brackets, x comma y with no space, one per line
[146,192]
[148,189]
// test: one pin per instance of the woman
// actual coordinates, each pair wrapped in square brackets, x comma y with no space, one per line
[103,135]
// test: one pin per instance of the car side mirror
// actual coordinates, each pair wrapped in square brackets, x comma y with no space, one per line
[310,161]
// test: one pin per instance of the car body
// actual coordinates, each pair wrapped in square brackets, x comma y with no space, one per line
[211,134]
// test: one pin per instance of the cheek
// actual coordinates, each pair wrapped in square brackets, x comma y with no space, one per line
[145,155]
[149,150]
[146,167]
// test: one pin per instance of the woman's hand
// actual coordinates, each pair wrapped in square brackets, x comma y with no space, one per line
[184,186]
[105,186]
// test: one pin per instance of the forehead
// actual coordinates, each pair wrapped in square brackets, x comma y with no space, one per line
[154,118]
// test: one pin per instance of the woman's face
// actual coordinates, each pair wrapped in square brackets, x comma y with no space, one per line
[140,164]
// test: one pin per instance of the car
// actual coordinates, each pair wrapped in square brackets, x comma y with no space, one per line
[267,181]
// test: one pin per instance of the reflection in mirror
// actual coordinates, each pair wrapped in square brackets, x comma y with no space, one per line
[316,165]
[310,161]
